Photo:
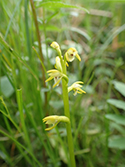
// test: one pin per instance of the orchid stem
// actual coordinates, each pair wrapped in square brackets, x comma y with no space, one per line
[67,114]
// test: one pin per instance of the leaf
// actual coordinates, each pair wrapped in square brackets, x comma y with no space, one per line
[62,154]
[102,70]
[21,147]
[110,38]
[11,51]
[117,142]
[117,103]
[120,119]
[52,28]
[83,33]
[119,86]
[6,87]
[93,131]
[56,104]
[118,127]
[101,61]
[58,5]
[45,0]
[108,1]
[83,151]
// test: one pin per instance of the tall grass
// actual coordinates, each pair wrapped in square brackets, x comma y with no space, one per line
[25,99]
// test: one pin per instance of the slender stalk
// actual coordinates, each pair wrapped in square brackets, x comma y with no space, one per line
[45,36]
[27,30]
[67,114]
[38,36]
[39,45]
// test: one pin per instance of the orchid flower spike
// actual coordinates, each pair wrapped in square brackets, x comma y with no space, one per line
[71,54]
[57,76]
[76,87]
[54,120]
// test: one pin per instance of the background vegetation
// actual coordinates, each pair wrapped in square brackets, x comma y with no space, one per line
[98,117]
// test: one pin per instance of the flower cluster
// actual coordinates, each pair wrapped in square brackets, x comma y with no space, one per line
[57,74]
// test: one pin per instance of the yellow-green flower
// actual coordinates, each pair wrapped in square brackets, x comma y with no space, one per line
[76,87]
[71,54]
[58,64]
[56,75]
[54,120]
[56,46]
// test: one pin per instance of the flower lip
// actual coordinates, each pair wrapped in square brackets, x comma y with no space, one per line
[76,87]
[71,54]
[54,120]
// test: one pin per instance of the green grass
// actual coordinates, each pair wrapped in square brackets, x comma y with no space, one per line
[25,99]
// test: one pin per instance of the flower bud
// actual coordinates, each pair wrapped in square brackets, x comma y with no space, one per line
[58,64]
[56,46]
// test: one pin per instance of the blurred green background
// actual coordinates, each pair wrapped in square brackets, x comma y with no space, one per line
[97,117]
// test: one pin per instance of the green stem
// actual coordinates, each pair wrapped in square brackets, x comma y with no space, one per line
[45,35]
[40,49]
[67,114]
[20,146]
